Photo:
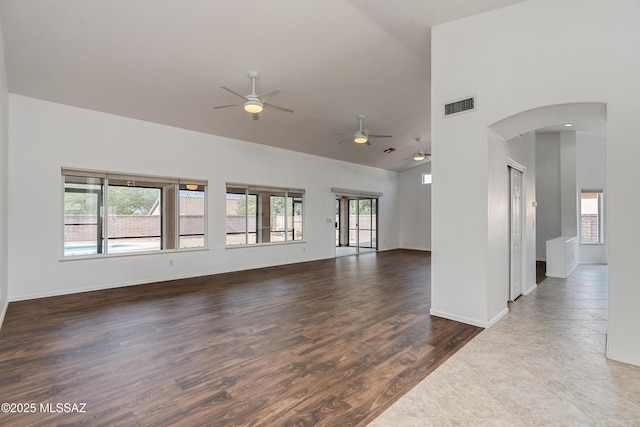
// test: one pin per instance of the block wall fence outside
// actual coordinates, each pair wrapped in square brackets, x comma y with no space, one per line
[79,228]
[589,228]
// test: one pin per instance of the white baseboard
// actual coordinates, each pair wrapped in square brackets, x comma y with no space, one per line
[416,249]
[389,249]
[469,321]
[624,359]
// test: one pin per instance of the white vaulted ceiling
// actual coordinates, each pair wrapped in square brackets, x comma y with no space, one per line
[164,61]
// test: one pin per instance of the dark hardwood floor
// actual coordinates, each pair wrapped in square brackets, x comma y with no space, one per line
[541,271]
[323,343]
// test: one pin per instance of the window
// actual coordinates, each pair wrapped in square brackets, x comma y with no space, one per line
[134,216]
[83,201]
[192,221]
[114,214]
[591,217]
[263,214]
[426,178]
[241,216]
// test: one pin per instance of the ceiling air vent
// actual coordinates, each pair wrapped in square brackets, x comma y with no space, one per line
[460,106]
[389,150]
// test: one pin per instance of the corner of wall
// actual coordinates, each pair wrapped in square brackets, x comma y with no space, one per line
[4,166]
[3,310]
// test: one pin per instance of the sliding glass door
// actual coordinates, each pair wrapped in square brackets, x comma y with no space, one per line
[363,224]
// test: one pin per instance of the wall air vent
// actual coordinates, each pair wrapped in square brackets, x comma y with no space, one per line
[389,150]
[459,106]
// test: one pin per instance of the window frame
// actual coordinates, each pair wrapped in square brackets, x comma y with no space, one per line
[600,216]
[264,201]
[94,188]
[167,205]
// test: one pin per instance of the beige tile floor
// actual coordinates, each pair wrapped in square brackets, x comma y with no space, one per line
[541,365]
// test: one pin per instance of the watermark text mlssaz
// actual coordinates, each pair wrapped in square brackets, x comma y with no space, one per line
[45,407]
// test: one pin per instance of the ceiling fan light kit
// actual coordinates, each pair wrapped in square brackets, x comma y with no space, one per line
[253,106]
[420,156]
[360,138]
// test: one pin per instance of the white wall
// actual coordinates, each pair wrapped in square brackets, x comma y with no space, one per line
[44,137]
[4,166]
[415,208]
[548,212]
[592,175]
[568,184]
[584,48]
[459,214]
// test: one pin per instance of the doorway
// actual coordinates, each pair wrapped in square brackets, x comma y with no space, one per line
[356,225]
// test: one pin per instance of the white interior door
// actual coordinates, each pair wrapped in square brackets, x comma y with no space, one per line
[515,263]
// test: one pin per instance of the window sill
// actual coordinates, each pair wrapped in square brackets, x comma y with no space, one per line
[131,254]
[258,245]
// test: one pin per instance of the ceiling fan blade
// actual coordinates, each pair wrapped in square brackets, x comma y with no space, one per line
[275,107]
[255,116]
[233,92]
[367,143]
[379,136]
[225,106]
[267,95]
[346,140]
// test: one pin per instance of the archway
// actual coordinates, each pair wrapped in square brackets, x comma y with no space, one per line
[521,129]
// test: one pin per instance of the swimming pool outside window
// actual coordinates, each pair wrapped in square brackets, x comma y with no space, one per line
[107,213]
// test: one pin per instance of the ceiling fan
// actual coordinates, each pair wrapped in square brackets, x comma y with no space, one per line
[421,155]
[362,135]
[253,103]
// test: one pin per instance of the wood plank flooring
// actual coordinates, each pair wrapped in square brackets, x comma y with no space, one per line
[541,271]
[322,343]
